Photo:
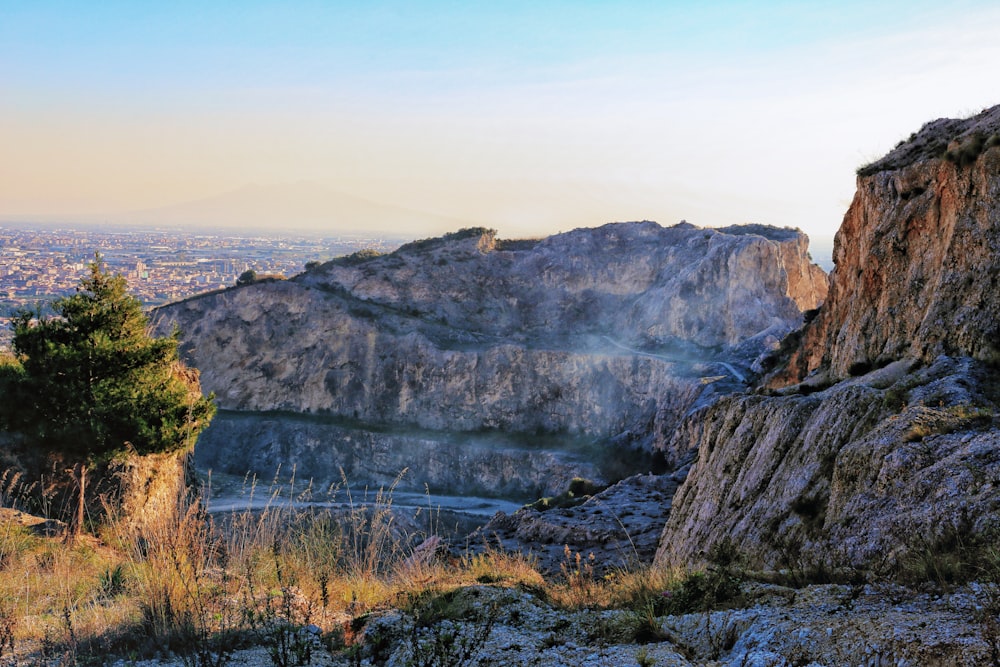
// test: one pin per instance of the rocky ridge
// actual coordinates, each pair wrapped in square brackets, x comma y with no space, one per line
[916,267]
[879,439]
[602,335]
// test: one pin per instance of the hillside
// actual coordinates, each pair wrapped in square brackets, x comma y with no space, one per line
[581,351]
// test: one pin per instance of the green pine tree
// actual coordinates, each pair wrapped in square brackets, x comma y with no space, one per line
[93,383]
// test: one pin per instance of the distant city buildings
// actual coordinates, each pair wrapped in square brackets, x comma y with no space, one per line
[38,265]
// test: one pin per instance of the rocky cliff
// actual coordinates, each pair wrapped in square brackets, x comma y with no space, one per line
[917,258]
[880,438]
[600,334]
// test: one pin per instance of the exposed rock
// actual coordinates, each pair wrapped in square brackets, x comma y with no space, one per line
[147,492]
[855,467]
[819,625]
[917,258]
[615,529]
[326,451]
[142,492]
[853,476]
[36,524]
[635,282]
[823,625]
[603,334]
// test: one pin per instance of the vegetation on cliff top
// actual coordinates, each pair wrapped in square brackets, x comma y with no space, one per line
[959,141]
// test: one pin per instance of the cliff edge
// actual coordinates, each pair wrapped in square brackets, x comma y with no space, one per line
[917,258]
[877,440]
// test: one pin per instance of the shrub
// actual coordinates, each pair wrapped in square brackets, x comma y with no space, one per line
[931,421]
[720,583]
[359,257]
[966,152]
[577,492]
[248,277]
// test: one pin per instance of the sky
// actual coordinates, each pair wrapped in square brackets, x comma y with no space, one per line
[529,117]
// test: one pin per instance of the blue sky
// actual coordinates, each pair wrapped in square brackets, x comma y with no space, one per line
[527,116]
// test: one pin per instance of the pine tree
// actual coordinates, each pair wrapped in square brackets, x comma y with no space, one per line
[93,383]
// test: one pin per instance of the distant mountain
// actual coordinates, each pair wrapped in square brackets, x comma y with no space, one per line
[293,206]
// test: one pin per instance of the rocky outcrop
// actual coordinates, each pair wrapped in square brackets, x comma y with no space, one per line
[855,476]
[636,282]
[606,334]
[880,439]
[776,627]
[615,529]
[917,257]
[821,625]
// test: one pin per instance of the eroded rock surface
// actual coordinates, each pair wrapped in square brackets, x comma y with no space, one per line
[605,334]
[854,476]
[780,627]
[472,464]
[846,466]
[618,528]
[917,257]
[822,625]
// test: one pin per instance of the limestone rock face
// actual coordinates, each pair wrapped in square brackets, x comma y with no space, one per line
[879,438]
[468,464]
[854,476]
[917,257]
[603,334]
[612,530]
[636,282]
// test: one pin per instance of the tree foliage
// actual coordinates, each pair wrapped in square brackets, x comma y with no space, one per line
[91,382]
[248,277]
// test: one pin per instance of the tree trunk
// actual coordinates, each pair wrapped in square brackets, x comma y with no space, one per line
[80,470]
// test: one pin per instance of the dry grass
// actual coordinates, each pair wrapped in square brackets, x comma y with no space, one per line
[203,585]
[928,421]
[636,588]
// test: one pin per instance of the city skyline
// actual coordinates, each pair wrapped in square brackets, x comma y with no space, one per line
[531,118]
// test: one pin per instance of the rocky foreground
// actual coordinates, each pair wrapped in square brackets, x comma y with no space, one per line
[827,625]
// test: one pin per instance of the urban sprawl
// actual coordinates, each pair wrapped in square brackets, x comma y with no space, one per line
[38,265]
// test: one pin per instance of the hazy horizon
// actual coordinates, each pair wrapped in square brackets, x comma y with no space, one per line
[530,118]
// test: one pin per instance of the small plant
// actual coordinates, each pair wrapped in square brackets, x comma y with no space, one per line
[8,624]
[720,583]
[966,152]
[930,421]
[578,573]
[952,555]
[647,626]
[447,629]
[642,658]
[112,581]
[283,620]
